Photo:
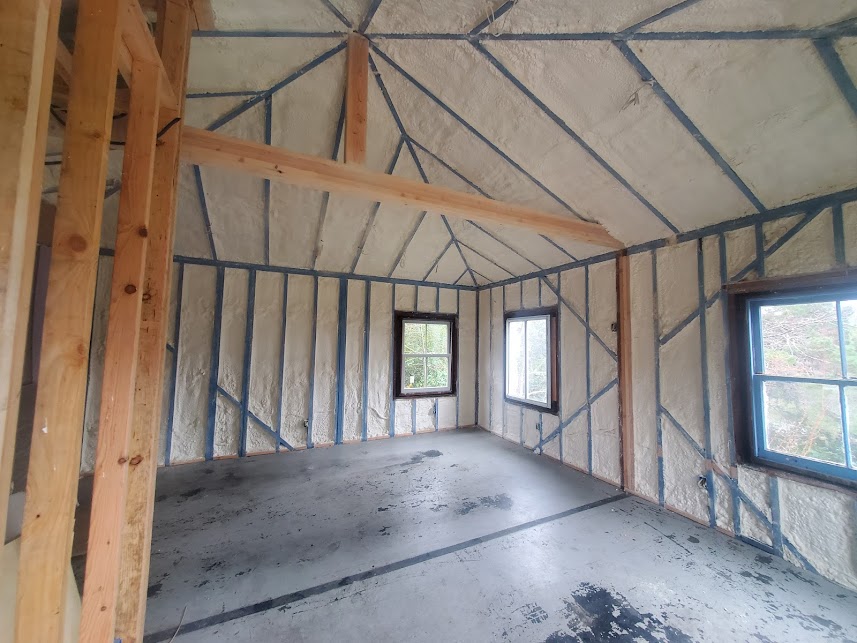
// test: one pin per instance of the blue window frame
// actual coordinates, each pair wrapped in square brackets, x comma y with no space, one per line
[803,376]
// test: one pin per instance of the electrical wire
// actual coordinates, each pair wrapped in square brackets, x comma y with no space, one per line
[166,128]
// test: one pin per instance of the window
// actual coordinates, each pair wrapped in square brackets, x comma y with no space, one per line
[426,360]
[800,375]
[531,358]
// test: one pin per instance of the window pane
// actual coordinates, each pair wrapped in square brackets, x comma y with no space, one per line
[438,372]
[537,362]
[804,420]
[415,338]
[415,372]
[801,340]
[849,325]
[515,360]
[851,410]
[437,338]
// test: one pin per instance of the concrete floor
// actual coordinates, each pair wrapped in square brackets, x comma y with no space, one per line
[455,536]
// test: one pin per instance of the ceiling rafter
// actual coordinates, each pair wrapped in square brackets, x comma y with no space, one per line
[658,16]
[647,77]
[443,218]
[370,13]
[273,89]
[395,114]
[336,12]
[827,51]
[846,27]
[374,212]
[325,199]
[487,196]
[574,136]
[413,81]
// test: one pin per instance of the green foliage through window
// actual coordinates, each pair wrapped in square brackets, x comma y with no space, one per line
[804,369]
[527,351]
[426,355]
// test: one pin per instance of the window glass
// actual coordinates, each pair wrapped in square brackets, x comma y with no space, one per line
[528,355]
[849,328]
[415,372]
[804,420]
[415,338]
[515,361]
[537,360]
[437,338]
[851,414]
[801,340]
[804,393]
[437,369]
[426,356]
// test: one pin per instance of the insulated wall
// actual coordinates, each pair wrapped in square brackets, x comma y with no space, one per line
[684,456]
[585,432]
[683,433]
[261,359]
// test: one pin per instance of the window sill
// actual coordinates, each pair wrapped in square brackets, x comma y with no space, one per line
[548,410]
[428,394]
[840,486]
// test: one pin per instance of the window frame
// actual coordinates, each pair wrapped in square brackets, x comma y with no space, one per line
[401,317]
[744,303]
[549,312]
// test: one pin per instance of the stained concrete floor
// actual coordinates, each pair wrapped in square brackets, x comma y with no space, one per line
[455,536]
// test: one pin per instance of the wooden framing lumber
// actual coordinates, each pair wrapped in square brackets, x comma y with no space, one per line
[98,610]
[203,15]
[202,147]
[64,63]
[173,36]
[28,37]
[626,409]
[139,46]
[55,449]
[356,99]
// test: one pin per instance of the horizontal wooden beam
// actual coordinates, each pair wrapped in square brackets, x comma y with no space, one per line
[202,147]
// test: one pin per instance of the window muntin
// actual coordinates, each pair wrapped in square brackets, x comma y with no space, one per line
[426,356]
[804,400]
[528,360]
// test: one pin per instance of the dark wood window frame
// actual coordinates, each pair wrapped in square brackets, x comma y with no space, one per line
[552,313]
[739,299]
[398,370]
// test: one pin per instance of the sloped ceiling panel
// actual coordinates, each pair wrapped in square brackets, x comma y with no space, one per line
[566,126]
[233,64]
[304,119]
[429,241]
[513,123]
[770,108]
[248,15]
[420,16]
[740,15]
[234,202]
[558,16]
[593,89]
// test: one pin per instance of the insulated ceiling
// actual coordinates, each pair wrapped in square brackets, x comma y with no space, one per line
[651,117]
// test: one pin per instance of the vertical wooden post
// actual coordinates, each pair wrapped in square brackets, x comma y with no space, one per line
[356,99]
[626,409]
[173,36]
[28,31]
[58,425]
[101,582]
